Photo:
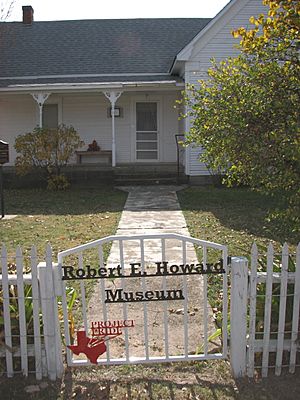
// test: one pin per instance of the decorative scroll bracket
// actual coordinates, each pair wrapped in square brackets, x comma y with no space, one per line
[40,98]
[112,96]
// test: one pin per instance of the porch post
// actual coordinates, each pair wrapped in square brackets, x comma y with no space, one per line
[40,98]
[113,96]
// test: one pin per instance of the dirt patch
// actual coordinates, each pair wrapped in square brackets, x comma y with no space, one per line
[160,327]
[175,381]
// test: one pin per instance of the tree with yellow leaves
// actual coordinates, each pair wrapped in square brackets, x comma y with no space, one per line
[247,114]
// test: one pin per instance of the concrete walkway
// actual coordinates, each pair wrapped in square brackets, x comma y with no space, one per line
[152,210]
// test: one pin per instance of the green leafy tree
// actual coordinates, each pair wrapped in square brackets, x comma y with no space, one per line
[47,150]
[246,115]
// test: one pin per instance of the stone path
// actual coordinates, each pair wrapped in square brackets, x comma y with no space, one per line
[8,217]
[152,210]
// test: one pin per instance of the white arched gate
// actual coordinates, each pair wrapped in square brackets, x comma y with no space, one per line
[147,303]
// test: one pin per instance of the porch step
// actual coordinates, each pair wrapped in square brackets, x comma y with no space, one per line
[144,179]
[149,174]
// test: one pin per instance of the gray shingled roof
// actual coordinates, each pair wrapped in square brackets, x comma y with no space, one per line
[128,46]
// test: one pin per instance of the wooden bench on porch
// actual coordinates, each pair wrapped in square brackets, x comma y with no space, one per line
[93,157]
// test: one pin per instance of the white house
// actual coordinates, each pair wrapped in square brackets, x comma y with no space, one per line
[115,81]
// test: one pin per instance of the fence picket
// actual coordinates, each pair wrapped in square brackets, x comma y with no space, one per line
[252,312]
[83,297]
[225,303]
[6,314]
[268,305]
[282,308]
[125,313]
[185,306]
[22,314]
[36,315]
[295,323]
[56,322]
[164,284]
[145,309]
[102,289]
[205,305]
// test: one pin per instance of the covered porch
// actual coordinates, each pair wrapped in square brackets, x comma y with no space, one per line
[133,124]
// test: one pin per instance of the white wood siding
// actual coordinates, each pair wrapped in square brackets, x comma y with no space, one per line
[88,115]
[221,43]
[217,43]
[18,114]
[171,127]
[196,166]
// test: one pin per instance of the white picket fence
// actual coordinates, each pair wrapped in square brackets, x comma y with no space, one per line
[278,335]
[262,336]
[38,351]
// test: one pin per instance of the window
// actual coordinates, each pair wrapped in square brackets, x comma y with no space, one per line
[50,116]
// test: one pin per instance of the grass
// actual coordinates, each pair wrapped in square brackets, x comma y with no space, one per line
[235,217]
[64,219]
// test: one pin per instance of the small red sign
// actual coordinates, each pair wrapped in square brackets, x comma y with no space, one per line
[94,346]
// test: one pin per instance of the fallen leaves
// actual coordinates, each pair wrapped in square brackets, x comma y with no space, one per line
[180,311]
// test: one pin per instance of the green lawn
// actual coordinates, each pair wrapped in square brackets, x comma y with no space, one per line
[64,219]
[235,217]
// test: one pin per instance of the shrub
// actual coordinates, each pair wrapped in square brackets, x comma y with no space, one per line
[57,182]
[47,150]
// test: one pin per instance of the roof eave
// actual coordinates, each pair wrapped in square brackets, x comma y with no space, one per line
[186,52]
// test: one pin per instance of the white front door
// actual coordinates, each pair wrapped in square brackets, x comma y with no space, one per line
[146,131]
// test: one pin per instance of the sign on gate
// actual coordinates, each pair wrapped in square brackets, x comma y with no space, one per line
[147,304]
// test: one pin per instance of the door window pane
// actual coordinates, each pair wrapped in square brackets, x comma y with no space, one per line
[146,146]
[146,117]
[146,155]
[146,136]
